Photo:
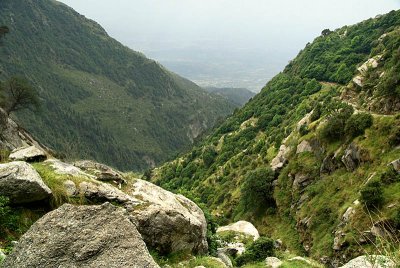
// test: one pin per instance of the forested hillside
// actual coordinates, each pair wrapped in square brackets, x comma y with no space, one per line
[100,99]
[309,158]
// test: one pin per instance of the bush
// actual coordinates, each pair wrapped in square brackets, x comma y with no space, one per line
[334,128]
[257,190]
[303,130]
[357,124]
[209,155]
[257,251]
[390,176]
[372,194]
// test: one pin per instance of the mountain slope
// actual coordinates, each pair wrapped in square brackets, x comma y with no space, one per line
[238,96]
[100,99]
[309,155]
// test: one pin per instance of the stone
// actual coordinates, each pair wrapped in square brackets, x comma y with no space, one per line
[281,158]
[301,181]
[396,165]
[168,222]
[70,188]
[28,154]
[303,147]
[273,262]
[21,183]
[371,63]
[224,258]
[82,236]
[66,169]
[353,156]
[217,260]
[102,192]
[243,227]
[101,172]
[358,80]
[372,261]
[348,214]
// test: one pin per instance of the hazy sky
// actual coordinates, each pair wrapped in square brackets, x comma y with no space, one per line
[216,41]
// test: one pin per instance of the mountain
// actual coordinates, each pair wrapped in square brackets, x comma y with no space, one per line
[313,159]
[100,99]
[238,96]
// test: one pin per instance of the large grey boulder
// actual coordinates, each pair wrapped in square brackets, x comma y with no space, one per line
[28,154]
[168,222]
[243,227]
[372,261]
[100,171]
[82,236]
[20,182]
[63,168]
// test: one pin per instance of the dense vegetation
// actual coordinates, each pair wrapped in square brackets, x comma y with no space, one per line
[314,100]
[239,96]
[100,99]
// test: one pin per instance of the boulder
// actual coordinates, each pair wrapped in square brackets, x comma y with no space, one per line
[234,249]
[372,261]
[20,182]
[330,164]
[28,154]
[273,262]
[102,192]
[371,63]
[348,214]
[358,80]
[281,158]
[396,165]
[100,171]
[168,222]
[243,227]
[82,236]
[301,181]
[66,169]
[303,147]
[224,258]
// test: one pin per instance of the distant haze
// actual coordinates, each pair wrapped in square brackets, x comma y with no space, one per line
[225,43]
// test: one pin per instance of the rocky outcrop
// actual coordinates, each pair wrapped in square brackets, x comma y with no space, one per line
[82,236]
[330,164]
[281,158]
[168,222]
[354,156]
[373,261]
[101,172]
[301,181]
[242,227]
[22,184]
[221,254]
[66,169]
[28,154]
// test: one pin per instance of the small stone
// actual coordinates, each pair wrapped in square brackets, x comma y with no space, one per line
[273,262]
[70,188]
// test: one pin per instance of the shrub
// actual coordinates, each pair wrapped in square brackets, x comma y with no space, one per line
[334,128]
[257,189]
[390,176]
[372,194]
[209,155]
[303,130]
[316,114]
[357,124]
[257,251]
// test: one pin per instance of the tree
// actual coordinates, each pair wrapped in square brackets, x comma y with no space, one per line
[18,95]
[326,32]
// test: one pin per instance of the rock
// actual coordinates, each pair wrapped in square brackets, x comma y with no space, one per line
[101,171]
[348,214]
[20,182]
[303,147]
[396,165]
[367,237]
[235,249]
[304,121]
[66,169]
[198,267]
[281,158]
[82,236]
[372,261]
[353,156]
[28,154]
[358,80]
[369,64]
[224,258]
[218,261]
[301,181]
[243,227]
[168,222]
[273,262]
[301,259]
[278,244]
[338,242]
[70,188]
[102,192]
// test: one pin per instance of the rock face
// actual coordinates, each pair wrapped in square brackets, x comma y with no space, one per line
[101,171]
[353,156]
[243,227]
[281,158]
[82,236]
[168,222]
[373,261]
[28,154]
[21,183]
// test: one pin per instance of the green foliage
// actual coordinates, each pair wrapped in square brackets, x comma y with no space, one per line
[258,189]
[334,129]
[209,156]
[390,176]
[257,251]
[100,100]
[357,124]
[372,194]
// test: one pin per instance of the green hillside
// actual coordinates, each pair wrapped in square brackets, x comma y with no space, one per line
[100,99]
[329,125]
